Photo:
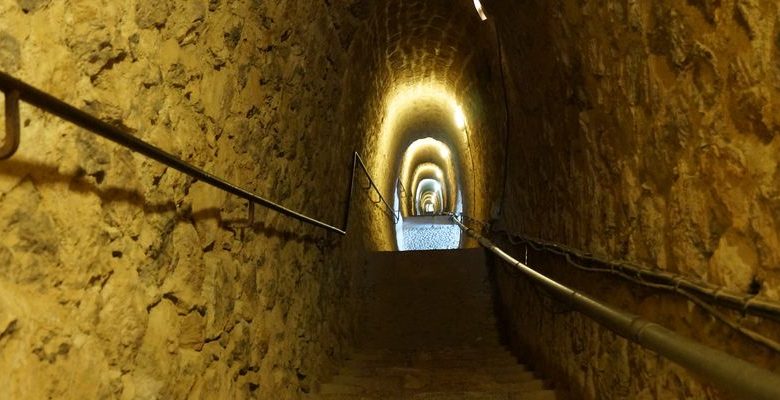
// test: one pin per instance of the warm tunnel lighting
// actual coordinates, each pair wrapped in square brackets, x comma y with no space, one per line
[432,172]
[480,10]
[418,125]
[406,100]
[444,152]
[429,191]
[428,230]
[429,143]
[427,169]
[460,118]
[429,158]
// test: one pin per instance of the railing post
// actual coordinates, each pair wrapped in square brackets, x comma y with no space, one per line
[12,125]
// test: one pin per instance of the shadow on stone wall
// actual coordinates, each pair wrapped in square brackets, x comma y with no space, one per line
[89,184]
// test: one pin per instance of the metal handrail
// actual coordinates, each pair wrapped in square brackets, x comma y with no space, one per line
[747,304]
[16,90]
[654,278]
[403,193]
[706,301]
[371,184]
[721,369]
[703,294]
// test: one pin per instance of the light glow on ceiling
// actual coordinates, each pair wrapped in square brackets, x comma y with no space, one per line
[425,170]
[444,152]
[480,10]
[460,118]
[408,99]
[442,169]
[429,142]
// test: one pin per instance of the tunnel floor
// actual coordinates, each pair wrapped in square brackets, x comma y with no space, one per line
[427,233]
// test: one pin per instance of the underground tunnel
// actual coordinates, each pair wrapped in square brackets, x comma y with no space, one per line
[389,199]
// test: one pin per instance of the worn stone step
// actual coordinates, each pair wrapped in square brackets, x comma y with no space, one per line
[463,381]
[402,359]
[452,395]
[429,333]
[395,386]
[428,300]
[363,385]
[444,354]
[443,375]
[533,395]
[426,381]
[410,341]
[422,363]
[400,371]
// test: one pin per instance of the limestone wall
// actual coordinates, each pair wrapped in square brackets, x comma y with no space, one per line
[121,278]
[644,131]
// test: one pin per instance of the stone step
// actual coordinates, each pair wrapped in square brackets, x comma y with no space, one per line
[444,353]
[496,371]
[422,363]
[404,359]
[466,395]
[395,386]
[450,395]
[411,340]
[434,380]
[428,300]
[429,333]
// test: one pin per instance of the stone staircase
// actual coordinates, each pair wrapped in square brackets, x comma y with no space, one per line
[430,334]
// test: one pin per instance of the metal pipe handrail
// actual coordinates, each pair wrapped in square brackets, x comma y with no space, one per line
[706,297]
[389,209]
[748,304]
[16,90]
[721,369]
[705,303]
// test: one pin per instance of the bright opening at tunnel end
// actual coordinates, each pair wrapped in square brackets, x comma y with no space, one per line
[426,128]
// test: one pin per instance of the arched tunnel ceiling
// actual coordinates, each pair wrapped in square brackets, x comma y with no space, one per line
[429,158]
[429,193]
[418,63]
[429,172]
[420,128]
[424,38]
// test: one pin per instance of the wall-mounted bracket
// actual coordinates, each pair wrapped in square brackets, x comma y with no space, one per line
[250,218]
[12,125]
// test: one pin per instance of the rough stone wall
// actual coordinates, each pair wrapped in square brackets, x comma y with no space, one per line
[645,131]
[121,278]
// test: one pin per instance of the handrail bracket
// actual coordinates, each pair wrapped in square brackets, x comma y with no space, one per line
[12,125]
